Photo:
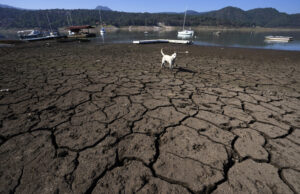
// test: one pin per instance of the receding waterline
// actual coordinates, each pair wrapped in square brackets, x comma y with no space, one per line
[223,39]
[204,38]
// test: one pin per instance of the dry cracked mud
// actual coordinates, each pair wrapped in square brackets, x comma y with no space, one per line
[87,118]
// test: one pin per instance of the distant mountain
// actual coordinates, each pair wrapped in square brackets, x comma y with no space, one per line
[8,6]
[264,17]
[228,16]
[103,8]
[192,12]
[268,17]
[188,12]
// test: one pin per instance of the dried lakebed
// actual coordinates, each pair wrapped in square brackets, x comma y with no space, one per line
[84,118]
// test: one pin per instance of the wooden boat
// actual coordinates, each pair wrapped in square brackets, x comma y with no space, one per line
[77,32]
[83,35]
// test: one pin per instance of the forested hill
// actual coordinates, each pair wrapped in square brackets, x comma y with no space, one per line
[229,16]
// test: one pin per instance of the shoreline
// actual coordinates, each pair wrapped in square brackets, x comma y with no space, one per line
[12,43]
[173,28]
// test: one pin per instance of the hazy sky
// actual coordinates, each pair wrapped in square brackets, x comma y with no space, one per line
[289,6]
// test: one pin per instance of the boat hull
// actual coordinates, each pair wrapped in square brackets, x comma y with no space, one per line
[279,38]
[82,35]
[162,41]
[43,38]
[186,33]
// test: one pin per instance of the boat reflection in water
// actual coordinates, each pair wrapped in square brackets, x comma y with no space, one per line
[102,37]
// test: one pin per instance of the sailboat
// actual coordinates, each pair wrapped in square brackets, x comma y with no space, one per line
[184,32]
[36,35]
[102,30]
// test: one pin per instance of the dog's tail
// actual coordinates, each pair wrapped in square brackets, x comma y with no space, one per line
[162,52]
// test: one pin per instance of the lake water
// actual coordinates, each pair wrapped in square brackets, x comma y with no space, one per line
[226,39]
[207,38]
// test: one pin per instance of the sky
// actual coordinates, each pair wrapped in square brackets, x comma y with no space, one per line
[288,6]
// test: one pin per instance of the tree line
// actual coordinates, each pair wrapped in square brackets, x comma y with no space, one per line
[16,18]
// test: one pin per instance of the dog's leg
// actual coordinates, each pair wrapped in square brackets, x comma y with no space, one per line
[162,63]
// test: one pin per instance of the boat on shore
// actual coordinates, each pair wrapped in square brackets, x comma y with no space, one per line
[162,41]
[279,38]
[36,35]
[29,34]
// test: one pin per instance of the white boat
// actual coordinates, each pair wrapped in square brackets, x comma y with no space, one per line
[279,38]
[29,34]
[162,41]
[184,32]
[217,33]
[102,30]
[35,35]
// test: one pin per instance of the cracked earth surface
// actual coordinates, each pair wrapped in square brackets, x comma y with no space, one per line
[84,118]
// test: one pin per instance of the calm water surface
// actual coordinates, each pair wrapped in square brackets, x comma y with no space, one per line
[207,38]
[229,38]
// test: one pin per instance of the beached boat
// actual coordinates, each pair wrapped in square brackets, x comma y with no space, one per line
[162,41]
[29,34]
[185,32]
[36,35]
[279,38]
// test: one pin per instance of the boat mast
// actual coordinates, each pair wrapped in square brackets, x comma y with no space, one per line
[71,18]
[49,22]
[69,23]
[184,20]
[100,18]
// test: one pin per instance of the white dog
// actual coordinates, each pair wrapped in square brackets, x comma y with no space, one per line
[168,58]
